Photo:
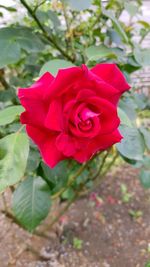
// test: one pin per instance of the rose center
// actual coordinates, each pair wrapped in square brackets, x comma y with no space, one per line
[86,125]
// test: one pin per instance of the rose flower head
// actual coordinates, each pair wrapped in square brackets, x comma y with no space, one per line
[74,115]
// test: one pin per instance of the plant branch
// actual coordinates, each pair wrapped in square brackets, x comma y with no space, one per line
[71,181]
[3,81]
[46,35]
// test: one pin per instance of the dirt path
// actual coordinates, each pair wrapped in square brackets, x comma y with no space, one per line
[109,228]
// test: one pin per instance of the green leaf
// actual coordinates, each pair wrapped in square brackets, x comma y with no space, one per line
[132,145]
[8,8]
[97,52]
[142,56]
[68,194]
[79,4]
[131,8]
[31,202]
[13,39]
[124,118]
[53,66]
[145,24]
[117,26]
[56,177]
[9,114]
[129,107]
[146,134]
[145,178]
[10,52]
[46,16]
[14,149]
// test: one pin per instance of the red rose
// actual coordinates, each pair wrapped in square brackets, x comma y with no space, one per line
[74,114]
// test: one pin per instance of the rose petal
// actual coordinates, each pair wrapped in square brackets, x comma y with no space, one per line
[108,114]
[46,143]
[54,120]
[37,90]
[32,100]
[99,143]
[66,144]
[112,75]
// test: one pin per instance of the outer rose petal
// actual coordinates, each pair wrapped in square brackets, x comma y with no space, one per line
[111,74]
[70,81]
[46,143]
[32,100]
[99,143]
[37,90]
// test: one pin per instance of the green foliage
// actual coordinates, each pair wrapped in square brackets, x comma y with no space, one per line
[60,34]
[31,202]
[119,29]
[14,149]
[132,145]
[77,243]
[99,52]
[54,65]
[13,39]
[9,114]
[145,178]
[126,196]
[147,264]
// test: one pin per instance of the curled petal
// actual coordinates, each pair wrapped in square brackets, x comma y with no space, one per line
[46,143]
[99,143]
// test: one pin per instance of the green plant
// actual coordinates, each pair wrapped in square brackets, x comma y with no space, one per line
[77,243]
[125,195]
[135,214]
[53,35]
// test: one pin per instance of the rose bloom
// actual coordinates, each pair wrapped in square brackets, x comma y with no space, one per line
[74,115]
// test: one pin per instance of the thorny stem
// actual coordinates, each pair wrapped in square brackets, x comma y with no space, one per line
[46,35]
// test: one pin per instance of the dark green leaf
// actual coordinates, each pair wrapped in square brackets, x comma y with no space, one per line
[31,202]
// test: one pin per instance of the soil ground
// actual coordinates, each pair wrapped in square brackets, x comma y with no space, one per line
[107,228]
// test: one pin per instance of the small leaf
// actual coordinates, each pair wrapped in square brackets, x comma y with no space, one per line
[145,178]
[124,118]
[54,65]
[142,56]
[146,134]
[116,23]
[99,52]
[14,149]
[31,202]
[56,177]
[132,145]
[9,114]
